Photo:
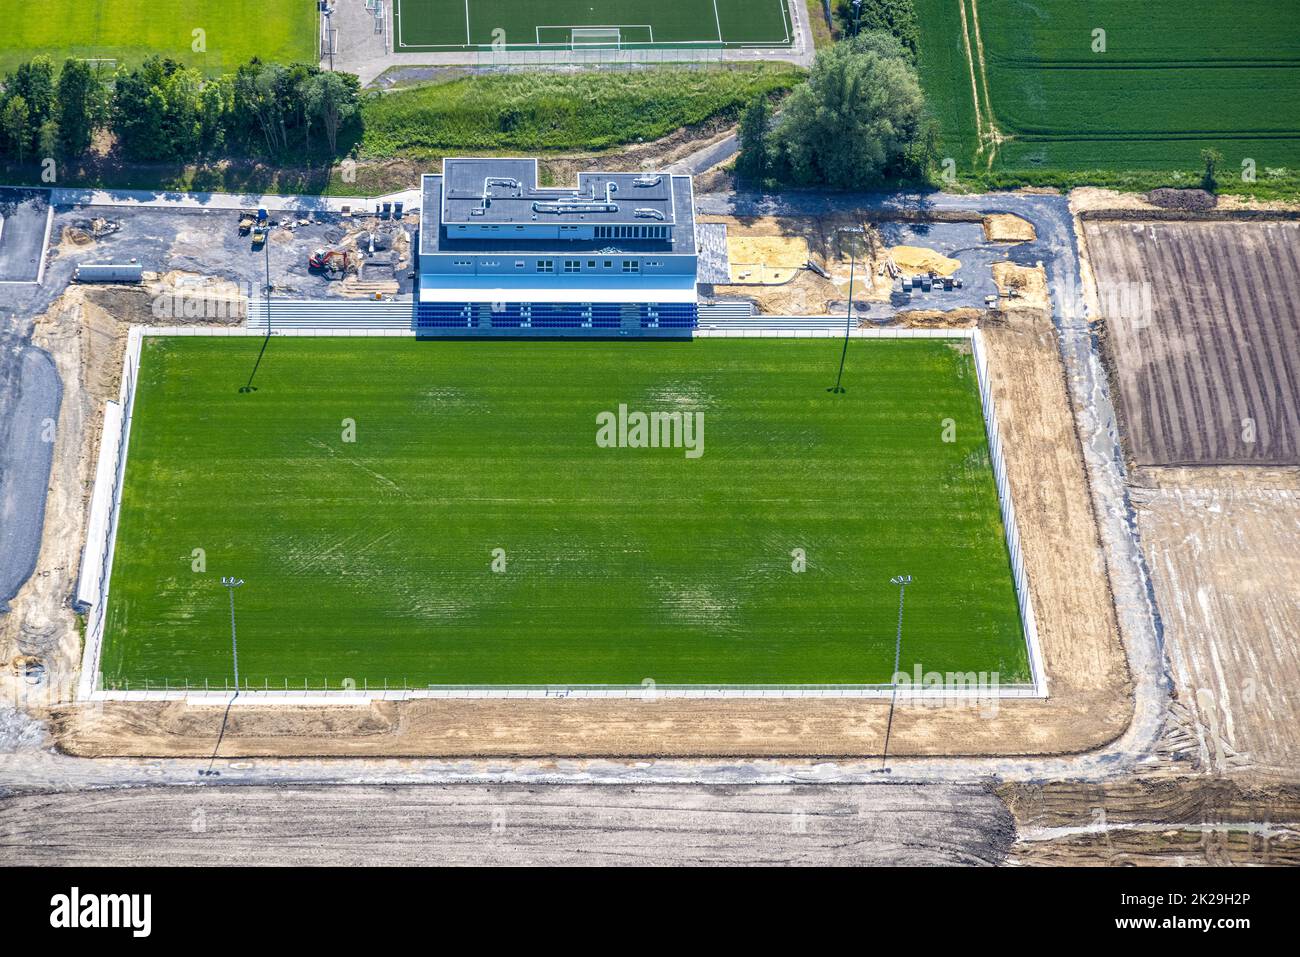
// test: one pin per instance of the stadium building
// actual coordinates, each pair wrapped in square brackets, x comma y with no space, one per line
[617,254]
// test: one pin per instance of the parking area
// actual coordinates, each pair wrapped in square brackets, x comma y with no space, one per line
[24,228]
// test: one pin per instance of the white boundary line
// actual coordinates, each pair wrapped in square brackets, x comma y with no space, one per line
[87,691]
[469,46]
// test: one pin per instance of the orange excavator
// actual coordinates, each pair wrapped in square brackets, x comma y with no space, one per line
[334,263]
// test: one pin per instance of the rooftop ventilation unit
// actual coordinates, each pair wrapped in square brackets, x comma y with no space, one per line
[647,181]
[574,206]
[646,212]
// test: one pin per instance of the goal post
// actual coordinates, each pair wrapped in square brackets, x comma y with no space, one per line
[600,38]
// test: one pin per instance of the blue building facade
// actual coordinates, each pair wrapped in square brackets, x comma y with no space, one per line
[614,256]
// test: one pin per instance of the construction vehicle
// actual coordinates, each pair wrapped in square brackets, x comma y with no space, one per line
[260,229]
[334,263]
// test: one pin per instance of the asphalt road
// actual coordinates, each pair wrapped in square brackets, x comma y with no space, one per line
[24,214]
[30,391]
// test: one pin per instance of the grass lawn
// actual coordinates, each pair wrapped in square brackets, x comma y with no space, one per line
[561,111]
[462,24]
[129,31]
[372,559]
[1167,84]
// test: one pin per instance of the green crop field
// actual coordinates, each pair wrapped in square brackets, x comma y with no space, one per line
[373,559]
[470,24]
[129,31]
[1172,79]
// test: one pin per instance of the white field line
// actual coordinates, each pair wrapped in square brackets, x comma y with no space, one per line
[961,693]
[467,39]
[718,20]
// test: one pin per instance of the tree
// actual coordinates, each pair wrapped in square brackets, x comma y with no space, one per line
[896,17]
[15,127]
[47,139]
[754,162]
[77,109]
[332,99]
[257,103]
[157,111]
[34,82]
[214,108]
[857,120]
[1211,158]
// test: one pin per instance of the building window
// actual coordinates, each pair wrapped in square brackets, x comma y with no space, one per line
[519,264]
[545,265]
[609,264]
[572,265]
[591,264]
[631,265]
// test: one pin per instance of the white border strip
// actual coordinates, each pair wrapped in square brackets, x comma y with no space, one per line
[89,680]
[87,687]
[1012,529]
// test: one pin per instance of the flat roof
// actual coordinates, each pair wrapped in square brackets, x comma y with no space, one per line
[490,190]
[676,200]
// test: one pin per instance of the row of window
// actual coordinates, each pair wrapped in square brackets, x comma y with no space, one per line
[602,232]
[632,232]
[569,265]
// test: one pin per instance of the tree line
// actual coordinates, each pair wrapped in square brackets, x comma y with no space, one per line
[164,111]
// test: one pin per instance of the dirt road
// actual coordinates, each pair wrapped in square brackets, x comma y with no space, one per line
[556,825]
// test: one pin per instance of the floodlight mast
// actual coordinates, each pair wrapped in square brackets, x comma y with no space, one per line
[848,324]
[902,581]
[231,584]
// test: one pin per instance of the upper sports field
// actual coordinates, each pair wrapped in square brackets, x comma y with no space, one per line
[430,25]
[472,530]
[1032,84]
[129,31]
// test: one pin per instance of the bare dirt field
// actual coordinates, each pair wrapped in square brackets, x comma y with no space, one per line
[1201,326]
[1165,822]
[481,825]
[1225,567]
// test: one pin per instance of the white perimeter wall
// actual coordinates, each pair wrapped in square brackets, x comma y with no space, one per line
[93,587]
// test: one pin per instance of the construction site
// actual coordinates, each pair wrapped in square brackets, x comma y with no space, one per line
[1160,741]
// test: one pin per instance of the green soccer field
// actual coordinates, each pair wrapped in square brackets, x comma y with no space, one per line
[129,31]
[427,25]
[1162,83]
[373,559]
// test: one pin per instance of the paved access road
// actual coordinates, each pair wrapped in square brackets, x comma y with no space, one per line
[24,220]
